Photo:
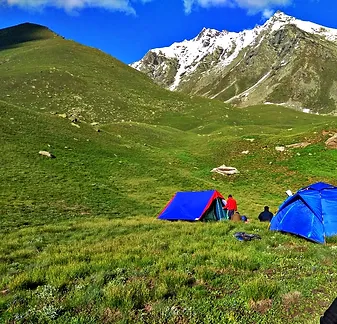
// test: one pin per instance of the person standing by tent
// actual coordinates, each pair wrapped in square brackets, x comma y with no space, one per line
[266,215]
[231,206]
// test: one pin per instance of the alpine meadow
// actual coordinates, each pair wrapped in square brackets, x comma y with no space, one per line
[80,238]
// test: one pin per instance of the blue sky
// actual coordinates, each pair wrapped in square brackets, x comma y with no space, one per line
[127,29]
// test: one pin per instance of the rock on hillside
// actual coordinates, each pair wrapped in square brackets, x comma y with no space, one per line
[286,61]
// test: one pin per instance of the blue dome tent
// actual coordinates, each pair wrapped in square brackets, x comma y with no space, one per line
[194,206]
[310,213]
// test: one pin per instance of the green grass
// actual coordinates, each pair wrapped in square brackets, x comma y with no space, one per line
[141,269]
[80,239]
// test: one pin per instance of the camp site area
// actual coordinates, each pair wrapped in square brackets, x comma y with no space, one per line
[90,247]
[101,216]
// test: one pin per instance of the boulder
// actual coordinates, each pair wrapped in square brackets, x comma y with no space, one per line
[225,170]
[47,154]
[280,148]
[332,142]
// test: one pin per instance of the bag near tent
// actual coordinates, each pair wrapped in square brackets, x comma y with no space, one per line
[310,213]
[194,206]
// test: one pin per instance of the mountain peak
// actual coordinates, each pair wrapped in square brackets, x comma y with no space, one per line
[280,17]
[281,14]
[24,32]
[207,32]
[30,25]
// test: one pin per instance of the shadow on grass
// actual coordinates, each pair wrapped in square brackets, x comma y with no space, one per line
[13,37]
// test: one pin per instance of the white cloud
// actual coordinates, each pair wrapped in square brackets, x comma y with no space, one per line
[252,6]
[267,13]
[71,5]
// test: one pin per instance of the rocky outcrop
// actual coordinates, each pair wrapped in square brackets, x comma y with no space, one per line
[160,68]
[332,142]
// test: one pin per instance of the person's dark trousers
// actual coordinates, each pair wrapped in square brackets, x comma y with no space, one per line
[230,214]
[330,315]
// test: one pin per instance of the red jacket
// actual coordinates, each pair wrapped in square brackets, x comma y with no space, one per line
[231,204]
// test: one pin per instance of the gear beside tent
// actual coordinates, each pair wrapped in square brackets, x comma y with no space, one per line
[310,213]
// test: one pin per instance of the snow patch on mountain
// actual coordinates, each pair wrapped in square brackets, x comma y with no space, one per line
[190,53]
[247,92]
[279,20]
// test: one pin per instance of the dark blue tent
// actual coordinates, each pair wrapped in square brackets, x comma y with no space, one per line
[310,213]
[194,206]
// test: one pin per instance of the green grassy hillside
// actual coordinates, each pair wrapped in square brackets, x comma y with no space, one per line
[80,238]
[63,77]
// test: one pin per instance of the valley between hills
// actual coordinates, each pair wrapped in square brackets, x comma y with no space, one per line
[80,239]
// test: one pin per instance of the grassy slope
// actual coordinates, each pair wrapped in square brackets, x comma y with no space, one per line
[80,238]
[82,82]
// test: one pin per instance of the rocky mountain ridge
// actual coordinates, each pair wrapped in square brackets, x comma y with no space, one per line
[285,61]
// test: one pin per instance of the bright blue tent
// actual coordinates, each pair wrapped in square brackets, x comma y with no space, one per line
[310,213]
[194,206]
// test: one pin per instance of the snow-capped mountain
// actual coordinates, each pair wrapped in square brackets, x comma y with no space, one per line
[270,63]
[190,53]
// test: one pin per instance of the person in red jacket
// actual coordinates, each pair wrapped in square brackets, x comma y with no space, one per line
[231,206]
